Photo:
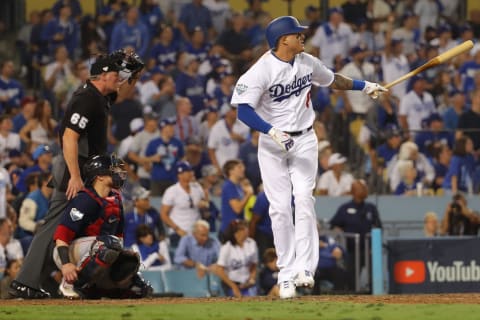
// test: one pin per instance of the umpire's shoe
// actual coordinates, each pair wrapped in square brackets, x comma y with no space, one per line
[19,290]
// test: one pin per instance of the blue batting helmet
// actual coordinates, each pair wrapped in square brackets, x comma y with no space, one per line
[282,26]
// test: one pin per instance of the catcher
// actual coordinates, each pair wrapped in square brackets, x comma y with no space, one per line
[88,245]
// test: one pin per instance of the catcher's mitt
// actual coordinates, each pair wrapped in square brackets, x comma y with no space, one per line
[125,267]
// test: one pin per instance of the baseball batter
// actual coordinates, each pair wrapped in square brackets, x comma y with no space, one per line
[273,97]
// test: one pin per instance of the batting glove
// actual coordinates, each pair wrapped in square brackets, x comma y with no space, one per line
[373,89]
[281,138]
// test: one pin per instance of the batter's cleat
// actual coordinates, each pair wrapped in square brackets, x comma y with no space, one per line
[287,290]
[68,291]
[21,291]
[304,279]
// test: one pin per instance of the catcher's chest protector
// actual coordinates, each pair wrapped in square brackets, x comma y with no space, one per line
[108,221]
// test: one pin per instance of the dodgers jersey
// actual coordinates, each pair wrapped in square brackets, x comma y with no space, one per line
[279,91]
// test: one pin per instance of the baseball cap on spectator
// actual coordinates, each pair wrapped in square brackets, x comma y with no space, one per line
[41,150]
[408,14]
[193,140]
[13,153]
[311,8]
[333,10]
[140,193]
[209,170]
[392,130]
[444,28]
[167,122]
[455,92]
[396,41]
[336,158]
[103,64]
[189,58]
[357,49]
[466,27]
[136,125]
[183,166]
[434,117]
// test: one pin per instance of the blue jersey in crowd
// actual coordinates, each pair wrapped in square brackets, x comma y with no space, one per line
[463,168]
[385,152]
[230,191]
[136,36]
[21,184]
[151,218]
[12,89]
[192,88]
[165,56]
[41,210]
[146,251]
[70,32]
[152,20]
[170,152]
[425,139]
[193,16]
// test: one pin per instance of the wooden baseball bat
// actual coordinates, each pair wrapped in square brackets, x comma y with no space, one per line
[447,55]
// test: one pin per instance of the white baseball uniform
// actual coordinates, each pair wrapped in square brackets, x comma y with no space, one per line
[393,68]
[279,92]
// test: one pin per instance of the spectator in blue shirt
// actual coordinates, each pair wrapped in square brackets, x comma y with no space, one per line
[130,32]
[390,148]
[75,6]
[434,137]
[197,250]
[109,14]
[409,179]
[196,45]
[165,151]
[33,210]
[268,277]
[330,265]
[455,110]
[63,30]
[151,16]
[142,213]
[441,161]
[190,84]
[25,114]
[43,163]
[260,228]
[11,91]
[248,153]
[193,15]
[233,197]
[164,52]
[460,173]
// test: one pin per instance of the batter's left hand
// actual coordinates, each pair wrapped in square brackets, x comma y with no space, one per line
[373,89]
[284,140]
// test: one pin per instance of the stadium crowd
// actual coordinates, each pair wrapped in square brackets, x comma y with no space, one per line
[178,129]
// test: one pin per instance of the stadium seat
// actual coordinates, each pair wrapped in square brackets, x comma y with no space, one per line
[156,280]
[215,286]
[186,282]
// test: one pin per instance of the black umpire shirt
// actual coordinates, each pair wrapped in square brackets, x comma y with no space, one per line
[87,114]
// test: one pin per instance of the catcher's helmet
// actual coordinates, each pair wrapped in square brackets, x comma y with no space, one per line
[282,26]
[104,165]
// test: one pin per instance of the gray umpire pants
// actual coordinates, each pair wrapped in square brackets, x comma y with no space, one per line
[34,270]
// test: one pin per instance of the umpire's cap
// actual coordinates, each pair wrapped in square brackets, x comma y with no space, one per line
[282,26]
[105,63]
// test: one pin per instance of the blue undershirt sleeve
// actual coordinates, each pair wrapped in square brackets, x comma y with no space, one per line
[248,116]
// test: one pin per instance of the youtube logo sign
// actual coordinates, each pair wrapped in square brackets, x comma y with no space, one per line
[409,272]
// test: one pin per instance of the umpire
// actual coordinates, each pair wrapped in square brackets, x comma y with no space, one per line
[83,133]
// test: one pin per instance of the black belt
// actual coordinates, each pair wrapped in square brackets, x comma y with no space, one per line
[298,133]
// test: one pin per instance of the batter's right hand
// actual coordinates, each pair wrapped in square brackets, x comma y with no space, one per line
[281,138]
[69,272]
[75,184]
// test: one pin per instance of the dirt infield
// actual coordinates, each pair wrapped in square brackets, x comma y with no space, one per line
[384,299]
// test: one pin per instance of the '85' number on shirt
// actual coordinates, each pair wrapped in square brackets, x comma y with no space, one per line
[77,119]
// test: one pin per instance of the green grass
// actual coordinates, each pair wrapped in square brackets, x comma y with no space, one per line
[243,310]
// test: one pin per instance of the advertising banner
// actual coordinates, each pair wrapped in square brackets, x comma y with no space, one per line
[437,265]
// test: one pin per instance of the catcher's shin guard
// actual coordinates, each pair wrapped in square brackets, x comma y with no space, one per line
[100,259]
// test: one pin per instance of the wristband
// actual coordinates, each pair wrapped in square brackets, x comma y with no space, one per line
[63,254]
[358,84]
